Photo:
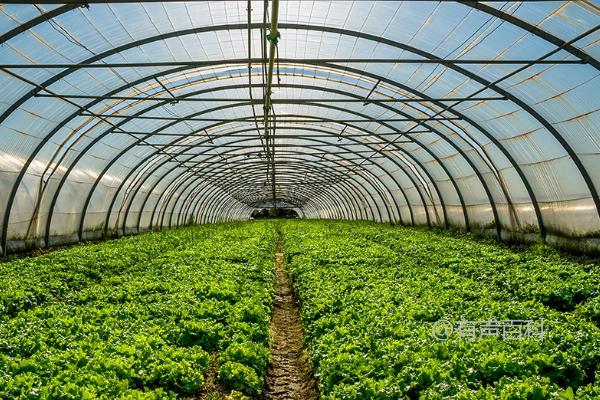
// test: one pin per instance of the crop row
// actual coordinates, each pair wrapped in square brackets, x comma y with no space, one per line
[140,317]
[371,294]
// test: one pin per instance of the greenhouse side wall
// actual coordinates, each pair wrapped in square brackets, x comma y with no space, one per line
[569,215]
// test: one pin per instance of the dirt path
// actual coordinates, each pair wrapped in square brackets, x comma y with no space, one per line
[289,376]
[213,390]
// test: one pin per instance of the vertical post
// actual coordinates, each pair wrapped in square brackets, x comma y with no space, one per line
[273,38]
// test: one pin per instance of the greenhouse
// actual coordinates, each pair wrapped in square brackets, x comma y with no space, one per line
[301,199]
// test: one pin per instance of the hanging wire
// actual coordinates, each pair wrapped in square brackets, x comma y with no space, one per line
[249,10]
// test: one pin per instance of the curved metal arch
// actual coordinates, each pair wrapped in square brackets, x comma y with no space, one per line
[221,27]
[331,198]
[167,173]
[236,155]
[417,163]
[348,201]
[511,97]
[375,135]
[328,205]
[36,21]
[349,204]
[493,139]
[190,209]
[522,107]
[39,147]
[319,172]
[120,188]
[433,182]
[187,200]
[247,169]
[431,179]
[232,213]
[289,200]
[198,190]
[397,147]
[579,165]
[192,205]
[547,36]
[359,142]
[433,155]
[353,189]
[335,145]
[215,199]
[511,19]
[375,179]
[490,198]
[439,195]
[569,47]
[473,167]
[197,212]
[488,135]
[443,166]
[223,211]
[114,199]
[218,213]
[318,141]
[228,106]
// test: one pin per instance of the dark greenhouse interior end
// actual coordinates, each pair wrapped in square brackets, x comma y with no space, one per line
[263,213]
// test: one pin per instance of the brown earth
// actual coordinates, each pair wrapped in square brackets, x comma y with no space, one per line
[289,375]
[212,390]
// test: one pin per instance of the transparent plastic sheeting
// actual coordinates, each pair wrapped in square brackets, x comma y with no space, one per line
[104,159]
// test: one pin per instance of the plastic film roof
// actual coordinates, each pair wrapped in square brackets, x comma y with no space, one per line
[121,117]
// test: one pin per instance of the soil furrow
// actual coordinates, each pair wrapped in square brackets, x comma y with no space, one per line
[289,375]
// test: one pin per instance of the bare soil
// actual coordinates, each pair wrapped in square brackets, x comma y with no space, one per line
[212,390]
[289,375]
